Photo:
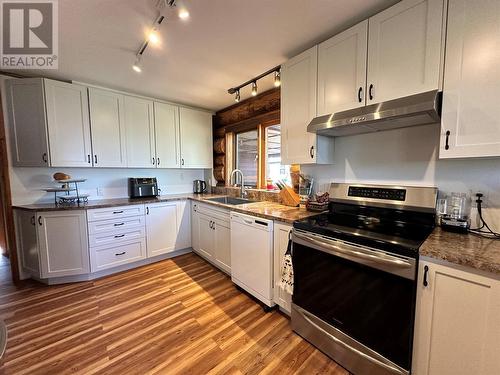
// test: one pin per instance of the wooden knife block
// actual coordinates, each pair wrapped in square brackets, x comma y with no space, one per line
[289,197]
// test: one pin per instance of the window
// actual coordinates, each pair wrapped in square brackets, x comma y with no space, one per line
[258,156]
[247,156]
[274,169]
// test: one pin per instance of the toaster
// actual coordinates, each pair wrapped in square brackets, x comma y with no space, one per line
[142,187]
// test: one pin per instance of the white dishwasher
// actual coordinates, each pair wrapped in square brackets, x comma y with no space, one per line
[252,255]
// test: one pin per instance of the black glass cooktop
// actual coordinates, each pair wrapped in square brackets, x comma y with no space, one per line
[388,229]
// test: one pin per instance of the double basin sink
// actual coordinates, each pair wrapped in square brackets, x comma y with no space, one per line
[232,201]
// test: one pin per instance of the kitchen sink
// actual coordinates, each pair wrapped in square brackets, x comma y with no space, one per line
[230,200]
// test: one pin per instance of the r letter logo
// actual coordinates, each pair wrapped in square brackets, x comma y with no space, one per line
[29,34]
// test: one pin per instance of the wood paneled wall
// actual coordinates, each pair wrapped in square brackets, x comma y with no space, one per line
[245,115]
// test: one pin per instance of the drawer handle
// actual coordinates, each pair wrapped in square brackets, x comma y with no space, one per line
[119,236]
[118,224]
[122,253]
[117,212]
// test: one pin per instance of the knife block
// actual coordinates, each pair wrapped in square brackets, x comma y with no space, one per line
[289,197]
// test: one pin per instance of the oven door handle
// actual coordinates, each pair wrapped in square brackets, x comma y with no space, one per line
[307,317]
[341,248]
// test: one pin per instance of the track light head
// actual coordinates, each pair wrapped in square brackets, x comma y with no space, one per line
[277,78]
[137,65]
[254,88]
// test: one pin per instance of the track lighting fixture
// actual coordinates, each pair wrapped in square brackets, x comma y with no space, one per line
[153,36]
[254,88]
[137,65]
[277,78]
[253,82]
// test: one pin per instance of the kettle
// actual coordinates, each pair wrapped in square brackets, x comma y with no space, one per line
[199,186]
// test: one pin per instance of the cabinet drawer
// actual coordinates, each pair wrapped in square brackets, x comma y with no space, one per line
[119,224]
[111,256]
[117,237]
[212,211]
[114,212]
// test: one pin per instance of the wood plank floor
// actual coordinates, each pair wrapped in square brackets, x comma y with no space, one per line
[179,316]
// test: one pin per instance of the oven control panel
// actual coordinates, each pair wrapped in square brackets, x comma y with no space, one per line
[377,193]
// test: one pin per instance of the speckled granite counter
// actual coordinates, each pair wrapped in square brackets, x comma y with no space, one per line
[464,249]
[264,209]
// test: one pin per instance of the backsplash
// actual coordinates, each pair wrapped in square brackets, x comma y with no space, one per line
[102,183]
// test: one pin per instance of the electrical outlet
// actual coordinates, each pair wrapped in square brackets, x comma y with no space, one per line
[99,192]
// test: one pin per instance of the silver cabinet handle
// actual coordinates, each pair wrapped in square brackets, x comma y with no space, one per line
[337,248]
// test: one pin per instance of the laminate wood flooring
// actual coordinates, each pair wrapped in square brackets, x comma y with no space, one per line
[178,316]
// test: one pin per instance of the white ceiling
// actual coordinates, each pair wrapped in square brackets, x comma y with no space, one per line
[224,43]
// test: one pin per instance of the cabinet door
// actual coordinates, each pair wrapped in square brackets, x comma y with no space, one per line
[298,108]
[63,243]
[281,233]
[342,70]
[206,244]
[139,132]
[222,244]
[68,124]
[457,323]
[161,227]
[26,241]
[183,239]
[28,131]
[471,113]
[195,227]
[196,138]
[168,152]
[404,50]
[108,129]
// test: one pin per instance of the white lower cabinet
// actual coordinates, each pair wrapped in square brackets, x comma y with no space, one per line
[211,235]
[281,233]
[167,227]
[457,326]
[62,243]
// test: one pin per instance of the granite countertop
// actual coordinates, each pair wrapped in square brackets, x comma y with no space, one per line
[463,249]
[264,209]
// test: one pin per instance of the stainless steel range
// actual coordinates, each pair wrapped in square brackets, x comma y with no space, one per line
[355,272]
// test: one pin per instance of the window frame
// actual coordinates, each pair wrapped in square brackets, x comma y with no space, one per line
[261,149]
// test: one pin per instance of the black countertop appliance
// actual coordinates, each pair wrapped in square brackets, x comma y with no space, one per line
[143,187]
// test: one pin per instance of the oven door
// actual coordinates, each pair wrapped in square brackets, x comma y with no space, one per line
[355,303]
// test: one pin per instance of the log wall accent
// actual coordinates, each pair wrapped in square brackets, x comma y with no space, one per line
[248,114]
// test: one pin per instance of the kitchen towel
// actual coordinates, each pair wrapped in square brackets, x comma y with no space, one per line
[286,282]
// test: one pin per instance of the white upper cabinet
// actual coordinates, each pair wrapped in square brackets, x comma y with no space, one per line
[196,138]
[342,70]
[139,131]
[68,124]
[457,323]
[167,132]
[404,50]
[28,130]
[470,123]
[298,108]
[108,128]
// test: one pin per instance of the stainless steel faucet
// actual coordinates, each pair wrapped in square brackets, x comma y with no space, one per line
[243,193]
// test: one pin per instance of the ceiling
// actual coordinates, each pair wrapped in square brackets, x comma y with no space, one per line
[222,44]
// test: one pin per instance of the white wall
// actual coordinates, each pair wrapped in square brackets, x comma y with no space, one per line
[27,183]
[410,156]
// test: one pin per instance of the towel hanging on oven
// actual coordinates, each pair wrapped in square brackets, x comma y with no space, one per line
[286,282]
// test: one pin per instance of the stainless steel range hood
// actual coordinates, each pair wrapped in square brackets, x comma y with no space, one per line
[419,109]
